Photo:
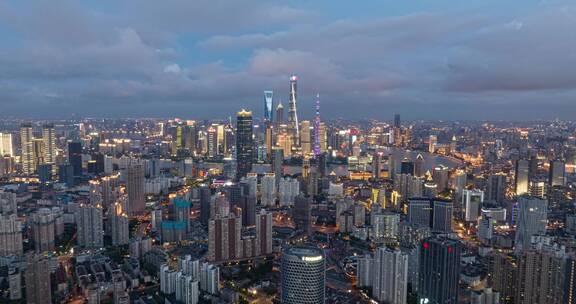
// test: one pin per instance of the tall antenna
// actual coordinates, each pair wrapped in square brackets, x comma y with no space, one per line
[317,127]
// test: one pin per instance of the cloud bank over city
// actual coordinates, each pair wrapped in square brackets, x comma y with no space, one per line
[424,59]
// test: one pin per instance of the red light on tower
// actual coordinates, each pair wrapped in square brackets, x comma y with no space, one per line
[426,245]
[450,249]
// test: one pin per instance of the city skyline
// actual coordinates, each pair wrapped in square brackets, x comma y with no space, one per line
[387,211]
[440,60]
[306,152]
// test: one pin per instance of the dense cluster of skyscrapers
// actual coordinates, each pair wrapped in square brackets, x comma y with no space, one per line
[288,208]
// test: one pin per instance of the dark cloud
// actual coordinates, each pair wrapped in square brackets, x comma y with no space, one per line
[209,58]
[529,53]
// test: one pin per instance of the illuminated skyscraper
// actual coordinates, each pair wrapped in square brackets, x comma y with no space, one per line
[303,275]
[178,139]
[440,176]
[284,141]
[279,114]
[27,143]
[38,148]
[212,137]
[522,175]
[305,137]
[49,138]
[244,143]
[432,143]
[6,144]
[538,188]
[189,135]
[323,137]
[293,125]
[220,139]
[570,281]
[268,103]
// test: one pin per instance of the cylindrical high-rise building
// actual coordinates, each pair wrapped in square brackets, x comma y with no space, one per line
[303,275]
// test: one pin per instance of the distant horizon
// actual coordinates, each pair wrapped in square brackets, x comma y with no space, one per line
[260,119]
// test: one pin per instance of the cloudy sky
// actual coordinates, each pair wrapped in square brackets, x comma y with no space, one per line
[425,59]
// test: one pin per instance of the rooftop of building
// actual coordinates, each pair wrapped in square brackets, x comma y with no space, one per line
[305,252]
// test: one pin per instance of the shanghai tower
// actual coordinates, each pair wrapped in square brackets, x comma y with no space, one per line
[292,111]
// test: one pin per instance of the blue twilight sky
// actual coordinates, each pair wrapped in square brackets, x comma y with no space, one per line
[424,59]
